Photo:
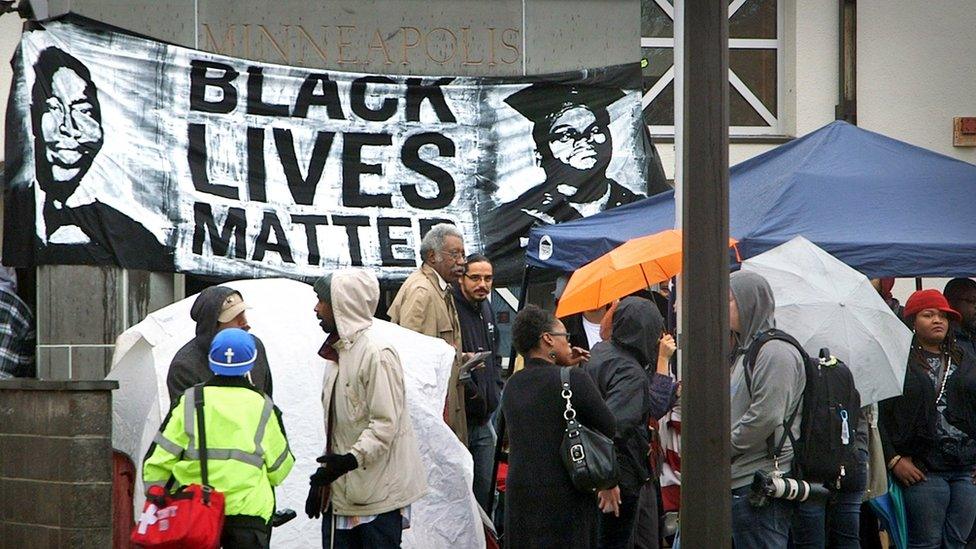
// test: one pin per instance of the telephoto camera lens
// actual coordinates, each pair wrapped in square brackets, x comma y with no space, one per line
[766,486]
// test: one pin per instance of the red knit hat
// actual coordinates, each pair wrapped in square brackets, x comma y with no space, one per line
[929,299]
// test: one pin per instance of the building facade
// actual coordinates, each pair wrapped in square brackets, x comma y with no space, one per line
[907,72]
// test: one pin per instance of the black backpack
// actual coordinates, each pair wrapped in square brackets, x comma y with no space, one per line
[826,451]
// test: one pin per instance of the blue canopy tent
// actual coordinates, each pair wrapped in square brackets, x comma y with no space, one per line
[880,205]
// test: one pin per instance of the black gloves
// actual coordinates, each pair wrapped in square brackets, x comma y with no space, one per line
[320,478]
[315,501]
[333,467]
[318,494]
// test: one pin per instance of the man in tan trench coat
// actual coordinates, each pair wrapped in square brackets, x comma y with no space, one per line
[425,304]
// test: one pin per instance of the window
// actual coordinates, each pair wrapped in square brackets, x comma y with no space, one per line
[755,65]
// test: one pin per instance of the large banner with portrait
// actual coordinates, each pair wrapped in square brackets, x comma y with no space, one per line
[129,151]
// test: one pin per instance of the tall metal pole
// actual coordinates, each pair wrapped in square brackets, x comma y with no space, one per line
[706,499]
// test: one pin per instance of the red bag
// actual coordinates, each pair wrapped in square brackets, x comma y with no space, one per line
[189,519]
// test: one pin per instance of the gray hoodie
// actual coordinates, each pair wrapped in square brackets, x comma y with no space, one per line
[778,380]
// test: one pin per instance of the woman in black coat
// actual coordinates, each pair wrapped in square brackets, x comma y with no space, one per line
[928,432]
[542,508]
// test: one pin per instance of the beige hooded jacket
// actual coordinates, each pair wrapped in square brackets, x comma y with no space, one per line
[371,418]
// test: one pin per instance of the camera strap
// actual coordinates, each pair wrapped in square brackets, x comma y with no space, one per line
[773,449]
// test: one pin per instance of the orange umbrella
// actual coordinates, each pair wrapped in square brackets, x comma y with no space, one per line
[632,266]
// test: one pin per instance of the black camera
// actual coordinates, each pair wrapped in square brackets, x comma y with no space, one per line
[766,486]
[282,516]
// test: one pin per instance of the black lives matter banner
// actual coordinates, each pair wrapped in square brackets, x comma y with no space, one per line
[129,151]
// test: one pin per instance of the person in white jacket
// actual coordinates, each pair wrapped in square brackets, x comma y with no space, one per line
[371,472]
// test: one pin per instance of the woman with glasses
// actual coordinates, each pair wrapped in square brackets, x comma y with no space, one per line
[542,508]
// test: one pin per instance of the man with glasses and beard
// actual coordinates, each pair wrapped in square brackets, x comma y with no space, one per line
[425,304]
[483,385]
[76,227]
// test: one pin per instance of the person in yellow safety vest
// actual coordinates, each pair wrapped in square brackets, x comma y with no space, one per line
[247,449]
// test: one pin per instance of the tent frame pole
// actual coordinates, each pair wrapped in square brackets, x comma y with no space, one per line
[500,435]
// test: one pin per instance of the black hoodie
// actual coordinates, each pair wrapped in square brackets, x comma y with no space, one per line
[619,369]
[191,366]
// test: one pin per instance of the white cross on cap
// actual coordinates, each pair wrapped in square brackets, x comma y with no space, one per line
[229,354]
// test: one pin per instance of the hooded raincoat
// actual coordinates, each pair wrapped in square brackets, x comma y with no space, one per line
[634,395]
[370,418]
[778,380]
[190,367]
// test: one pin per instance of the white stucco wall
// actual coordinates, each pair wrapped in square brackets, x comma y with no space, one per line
[810,79]
[10,26]
[916,70]
[817,36]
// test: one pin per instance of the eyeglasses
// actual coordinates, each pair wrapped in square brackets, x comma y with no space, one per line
[571,135]
[455,255]
[480,278]
[563,334]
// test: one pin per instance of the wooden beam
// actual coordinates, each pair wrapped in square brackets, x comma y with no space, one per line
[706,498]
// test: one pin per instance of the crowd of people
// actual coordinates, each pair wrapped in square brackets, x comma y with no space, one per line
[621,381]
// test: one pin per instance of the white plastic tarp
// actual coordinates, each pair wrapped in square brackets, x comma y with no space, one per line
[281,315]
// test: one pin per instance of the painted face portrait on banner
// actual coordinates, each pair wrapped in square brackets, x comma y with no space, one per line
[579,139]
[573,132]
[66,120]
[574,146]
[67,123]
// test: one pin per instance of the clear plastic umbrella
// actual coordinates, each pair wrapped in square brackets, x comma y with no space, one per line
[824,303]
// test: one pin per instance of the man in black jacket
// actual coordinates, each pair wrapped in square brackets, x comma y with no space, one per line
[961,294]
[216,308]
[479,334]
[584,327]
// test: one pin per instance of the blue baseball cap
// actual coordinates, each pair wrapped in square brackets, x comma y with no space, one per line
[232,352]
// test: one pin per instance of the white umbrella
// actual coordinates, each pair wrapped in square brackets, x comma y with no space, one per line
[824,303]
[281,315]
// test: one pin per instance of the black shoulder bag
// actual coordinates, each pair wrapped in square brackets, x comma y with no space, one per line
[588,455]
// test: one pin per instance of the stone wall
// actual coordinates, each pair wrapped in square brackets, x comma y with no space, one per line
[56,463]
